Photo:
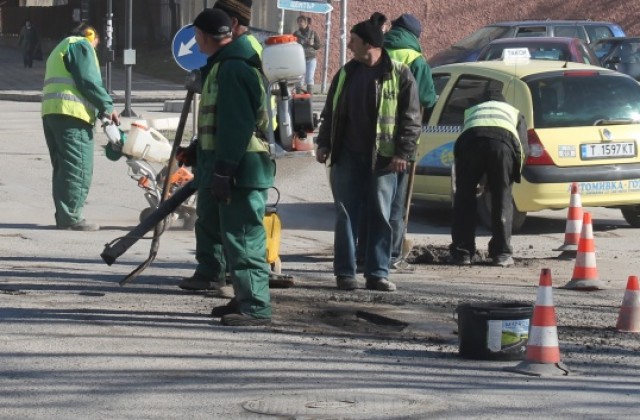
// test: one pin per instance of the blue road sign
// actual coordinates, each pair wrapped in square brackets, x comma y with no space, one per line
[185,50]
[305,6]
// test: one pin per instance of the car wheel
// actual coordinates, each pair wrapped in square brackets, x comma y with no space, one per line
[484,213]
[632,215]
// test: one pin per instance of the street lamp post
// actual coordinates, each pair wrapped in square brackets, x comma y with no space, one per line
[129,60]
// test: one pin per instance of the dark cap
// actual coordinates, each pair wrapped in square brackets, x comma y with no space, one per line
[239,9]
[408,22]
[371,30]
[214,22]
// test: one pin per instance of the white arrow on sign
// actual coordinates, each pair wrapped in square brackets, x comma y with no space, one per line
[185,49]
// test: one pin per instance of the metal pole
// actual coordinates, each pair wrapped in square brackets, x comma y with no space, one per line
[325,68]
[128,112]
[109,45]
[281,23]
[343,32]
[194,113]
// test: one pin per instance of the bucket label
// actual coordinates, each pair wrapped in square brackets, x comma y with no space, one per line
[506,334]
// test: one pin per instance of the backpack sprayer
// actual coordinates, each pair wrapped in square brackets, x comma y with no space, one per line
[142,147]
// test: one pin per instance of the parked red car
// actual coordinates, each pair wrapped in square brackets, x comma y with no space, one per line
[543,48]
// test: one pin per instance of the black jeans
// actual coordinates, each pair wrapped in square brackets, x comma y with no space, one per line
[475,158]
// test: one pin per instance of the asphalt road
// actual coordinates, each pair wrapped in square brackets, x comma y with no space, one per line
[74,344]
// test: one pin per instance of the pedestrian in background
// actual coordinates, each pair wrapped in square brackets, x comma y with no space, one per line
[491,144]
[29,41]
[72,97]
[310,42]
[371,123]
[234,165]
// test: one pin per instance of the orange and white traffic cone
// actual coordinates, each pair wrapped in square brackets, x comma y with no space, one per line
[574,224]
[543,353]
[585,273]
[629,317]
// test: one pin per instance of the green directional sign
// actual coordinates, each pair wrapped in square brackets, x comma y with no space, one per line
[305,6]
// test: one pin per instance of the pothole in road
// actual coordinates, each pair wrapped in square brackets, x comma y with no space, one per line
[430,254]
[344,404]
[362,321]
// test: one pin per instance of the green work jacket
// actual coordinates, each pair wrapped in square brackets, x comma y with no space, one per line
[232,116]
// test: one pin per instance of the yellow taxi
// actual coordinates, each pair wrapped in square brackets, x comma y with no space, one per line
[583,126]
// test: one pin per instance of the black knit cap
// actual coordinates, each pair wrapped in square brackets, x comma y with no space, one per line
[239,9]
[371,30]
[213,22]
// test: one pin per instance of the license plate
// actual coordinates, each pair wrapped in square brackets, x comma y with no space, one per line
[607,150]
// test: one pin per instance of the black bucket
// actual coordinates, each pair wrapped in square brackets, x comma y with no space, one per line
[494,330]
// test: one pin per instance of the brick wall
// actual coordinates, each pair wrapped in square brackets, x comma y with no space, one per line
[446,21]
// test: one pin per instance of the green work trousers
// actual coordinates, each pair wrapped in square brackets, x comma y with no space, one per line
[209,251]
[70,143]
[240,225]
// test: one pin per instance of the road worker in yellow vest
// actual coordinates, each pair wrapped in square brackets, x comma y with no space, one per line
[209,273]
[234,169]
[72,98]
[371,124]
[492,143]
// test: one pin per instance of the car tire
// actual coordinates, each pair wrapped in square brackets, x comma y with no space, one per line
[484,213]
[632,215]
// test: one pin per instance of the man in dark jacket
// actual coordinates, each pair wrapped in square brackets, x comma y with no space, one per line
[371,122]
[491,144]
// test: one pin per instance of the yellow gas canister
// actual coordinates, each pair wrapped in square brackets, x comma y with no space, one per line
[273,229]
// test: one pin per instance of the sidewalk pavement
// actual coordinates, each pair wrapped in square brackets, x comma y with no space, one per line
[25,84]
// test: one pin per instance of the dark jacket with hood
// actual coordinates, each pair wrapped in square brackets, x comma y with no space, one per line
[408,128]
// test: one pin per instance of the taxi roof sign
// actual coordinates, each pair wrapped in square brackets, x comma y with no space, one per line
[516,55]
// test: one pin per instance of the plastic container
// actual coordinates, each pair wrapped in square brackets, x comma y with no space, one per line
[303,144]
[283,58]
[493,331]
[147,144]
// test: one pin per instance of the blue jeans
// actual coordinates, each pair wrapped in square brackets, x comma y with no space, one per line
[311,71]
[398,211]
[353,184]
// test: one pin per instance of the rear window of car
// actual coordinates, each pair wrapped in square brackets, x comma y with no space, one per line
[467,92]
[597,32]
[570,31]
[575,99]
[531,31]
[481,37]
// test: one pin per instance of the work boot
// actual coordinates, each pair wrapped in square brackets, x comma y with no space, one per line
[380,284]
[502,260]
[243,320]
[196,282]
[220,311]
[459,259]
[82,226]
[346,282]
